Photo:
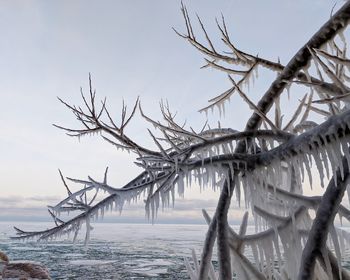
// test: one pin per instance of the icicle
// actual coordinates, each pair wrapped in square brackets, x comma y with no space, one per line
[256,222]
[247,195]
[254,146]
[88,228]
[187,181]
[325,47]
[189,269]
[335,241]
[202,156]
[205,177]
[190,178]
[180,186]
[102,213]
[219,107]
[269,257]
[217,148]
[255,254]
[261,258]
[333,161]
[341,240]
[231,169]
[237,190]
[348,192]
[327,262]
[152,210]
[342,37]
[279,173]
[332,47]
[307,164]
[325,160]
[176,164]
[173,196]
[230,144]
[261,142]
[308,78]
[340,219]
[210,154]
[318,161]
[246,144]
[345,148]
[228,185]
[195,261]
[277,247]
[237,267]
[337,153]
[288,89]
[298,169]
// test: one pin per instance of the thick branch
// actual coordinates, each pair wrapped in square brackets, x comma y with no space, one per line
[324,218]
[300,60]
[327,32]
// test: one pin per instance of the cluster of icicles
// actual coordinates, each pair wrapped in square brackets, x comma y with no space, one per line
[323,146]
[277,249]
[264,178]
[283,230]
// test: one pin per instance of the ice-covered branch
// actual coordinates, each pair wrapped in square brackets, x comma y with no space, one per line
[268,165]
[300,60]
[91,118]
[315,245]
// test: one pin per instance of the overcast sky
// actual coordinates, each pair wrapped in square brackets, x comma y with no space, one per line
[48,48]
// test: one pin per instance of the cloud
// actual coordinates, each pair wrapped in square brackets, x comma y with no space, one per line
[16,201]
[20,208]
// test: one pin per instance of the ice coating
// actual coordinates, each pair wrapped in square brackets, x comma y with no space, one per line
[268,167]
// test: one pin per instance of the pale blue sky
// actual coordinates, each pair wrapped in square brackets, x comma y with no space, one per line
[48,48]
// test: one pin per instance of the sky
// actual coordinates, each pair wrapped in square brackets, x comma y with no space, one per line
[48,49]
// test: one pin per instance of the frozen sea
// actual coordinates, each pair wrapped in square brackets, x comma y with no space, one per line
[116,251]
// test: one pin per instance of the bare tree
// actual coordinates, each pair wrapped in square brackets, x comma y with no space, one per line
[267,162]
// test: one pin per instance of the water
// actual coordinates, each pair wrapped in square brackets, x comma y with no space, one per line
[116,251]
